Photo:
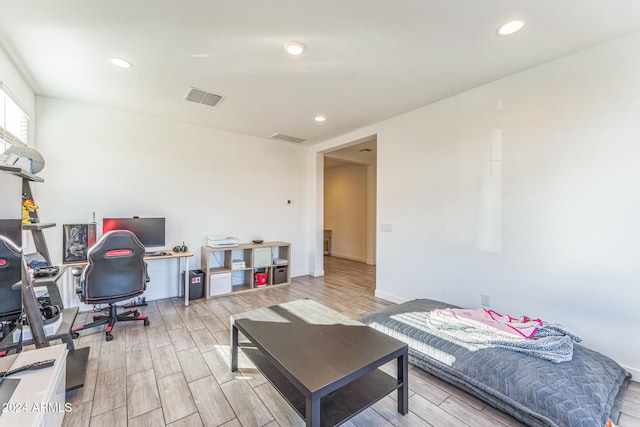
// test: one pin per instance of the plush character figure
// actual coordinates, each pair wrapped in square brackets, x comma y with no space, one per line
[28,206]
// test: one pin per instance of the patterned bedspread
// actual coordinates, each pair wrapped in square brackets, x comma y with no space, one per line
[577,393]
[551,341]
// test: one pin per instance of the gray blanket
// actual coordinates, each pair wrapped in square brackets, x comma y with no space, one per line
[553,341]
[578,393]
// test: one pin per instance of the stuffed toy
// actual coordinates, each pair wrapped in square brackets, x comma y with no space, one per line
[28,206]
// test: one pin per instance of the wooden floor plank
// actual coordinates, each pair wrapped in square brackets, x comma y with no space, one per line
[181,339]
[158,337]
[249,409]
[165,361]
[149,419]
[212,404]
[281,411]
[172,320]
[433,413]
[628,421]
[467,413]
[388,408]
[138,358]
[115,417]
[112,354]
[193,365]
[370,418]
[176,398]
[79,416]
[135,334]
[219,364]
[192,420]
[203,340]
[142,393]
[110,392]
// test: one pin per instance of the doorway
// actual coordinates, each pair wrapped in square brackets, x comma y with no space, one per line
[349,215]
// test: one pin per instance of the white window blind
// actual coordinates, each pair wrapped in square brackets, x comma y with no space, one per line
[14,121]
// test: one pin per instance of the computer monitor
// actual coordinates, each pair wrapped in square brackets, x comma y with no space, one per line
[150,231]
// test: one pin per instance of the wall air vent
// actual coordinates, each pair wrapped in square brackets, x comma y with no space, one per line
[200,96]
[287,138]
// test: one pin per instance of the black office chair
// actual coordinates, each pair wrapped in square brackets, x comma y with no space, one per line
[115,272]
[10,274]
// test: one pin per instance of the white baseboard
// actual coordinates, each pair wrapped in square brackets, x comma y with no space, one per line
[390,297]
[298,273]
[316,273]
[349,257]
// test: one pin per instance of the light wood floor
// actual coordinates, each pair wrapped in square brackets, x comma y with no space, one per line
[176,371]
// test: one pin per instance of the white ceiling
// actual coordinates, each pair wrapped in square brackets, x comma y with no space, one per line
[367,60]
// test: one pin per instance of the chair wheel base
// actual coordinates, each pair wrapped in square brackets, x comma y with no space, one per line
[146,322]
[108,336]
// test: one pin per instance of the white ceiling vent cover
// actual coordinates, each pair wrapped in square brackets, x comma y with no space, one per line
[200,96]
[287,138]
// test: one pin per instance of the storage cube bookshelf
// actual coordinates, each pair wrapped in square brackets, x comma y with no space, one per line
[232,269]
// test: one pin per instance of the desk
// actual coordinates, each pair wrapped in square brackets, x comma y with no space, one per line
[183,266]
[39,398]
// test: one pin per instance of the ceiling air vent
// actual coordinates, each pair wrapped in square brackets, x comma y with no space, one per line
[287,138]
[202,97]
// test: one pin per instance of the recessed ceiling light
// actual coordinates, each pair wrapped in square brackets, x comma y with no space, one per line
[320,118]
[120,62]
[510,27]
[295,48]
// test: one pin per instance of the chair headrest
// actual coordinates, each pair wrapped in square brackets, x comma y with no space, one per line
[116,244]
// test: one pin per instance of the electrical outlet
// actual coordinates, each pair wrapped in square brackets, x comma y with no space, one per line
[485,300]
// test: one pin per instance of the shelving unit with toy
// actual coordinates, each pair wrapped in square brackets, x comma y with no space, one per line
[76,359]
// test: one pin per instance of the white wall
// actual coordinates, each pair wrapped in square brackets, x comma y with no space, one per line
[204,182]
[10,196]
[525,189]
[345,210]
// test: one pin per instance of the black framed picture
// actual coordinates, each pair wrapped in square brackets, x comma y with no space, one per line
[76,241]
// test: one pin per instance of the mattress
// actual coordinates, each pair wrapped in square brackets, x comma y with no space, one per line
[577,393]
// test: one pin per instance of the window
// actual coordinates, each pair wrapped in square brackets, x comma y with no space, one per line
[14,121]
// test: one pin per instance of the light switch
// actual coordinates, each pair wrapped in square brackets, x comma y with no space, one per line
[385,228]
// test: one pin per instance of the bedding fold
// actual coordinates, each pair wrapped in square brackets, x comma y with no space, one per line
[486,328]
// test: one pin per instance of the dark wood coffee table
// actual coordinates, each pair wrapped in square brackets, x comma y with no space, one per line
[322,362]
